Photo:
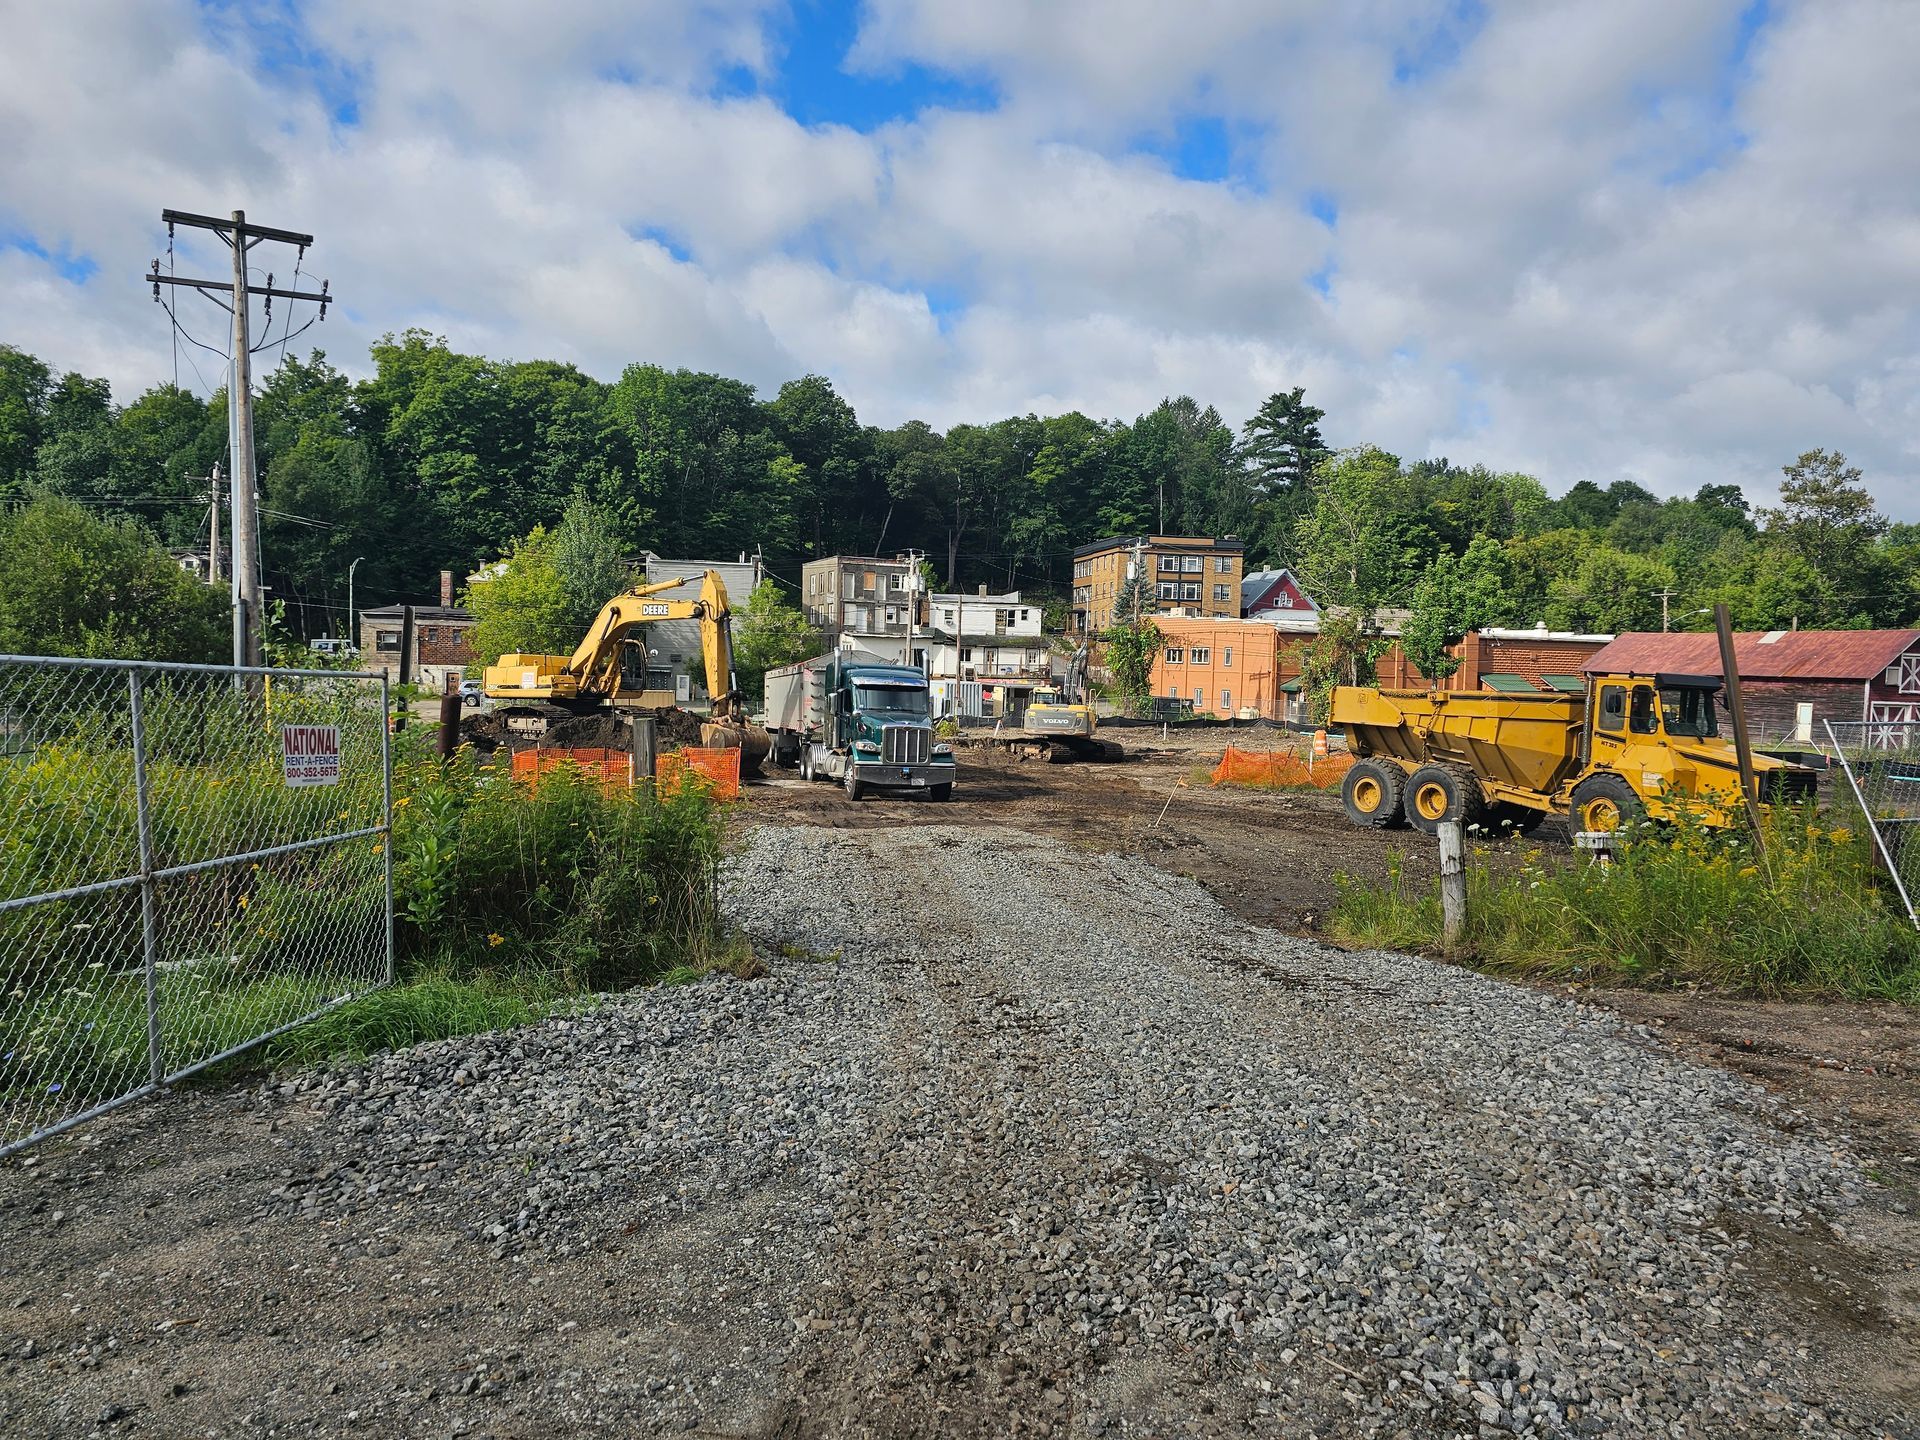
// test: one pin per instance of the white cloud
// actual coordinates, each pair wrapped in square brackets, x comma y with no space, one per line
[1572,238]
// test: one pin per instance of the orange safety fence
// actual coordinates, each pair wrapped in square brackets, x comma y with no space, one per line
[718,768]
[1279,770]
[613,767]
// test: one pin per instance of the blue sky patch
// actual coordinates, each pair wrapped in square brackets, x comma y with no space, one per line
[273,33]
[813,85]
[75,269]
[1439,48]
[664,238]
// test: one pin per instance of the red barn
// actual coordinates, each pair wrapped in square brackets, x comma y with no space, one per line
[1792,679]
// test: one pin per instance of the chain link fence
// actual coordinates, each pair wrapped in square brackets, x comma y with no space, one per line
[193,860]
[1879,764]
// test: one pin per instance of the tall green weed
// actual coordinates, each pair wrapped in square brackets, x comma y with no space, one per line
[1681,903]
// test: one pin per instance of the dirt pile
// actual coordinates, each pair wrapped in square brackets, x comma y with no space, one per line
[602,730]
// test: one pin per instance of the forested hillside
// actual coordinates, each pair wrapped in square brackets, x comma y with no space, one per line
[441,460]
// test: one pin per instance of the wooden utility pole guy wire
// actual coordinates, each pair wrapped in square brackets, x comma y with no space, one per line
[248,618]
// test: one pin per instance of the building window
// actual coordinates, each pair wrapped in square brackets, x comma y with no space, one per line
[1023,616]
[893,616]
[1200,655]
[1226,701]
[1199,698]
[1175,655]
[896,583]
[1190,564]
[387,640]
[1189,592]
[1169,590]
[1223,564]
[852,581]
[1170,562]
[966,654]
[1227,663]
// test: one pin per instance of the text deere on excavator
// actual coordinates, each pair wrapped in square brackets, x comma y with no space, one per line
[608,669]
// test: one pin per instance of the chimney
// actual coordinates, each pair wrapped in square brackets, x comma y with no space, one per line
[446,588]
[983,592]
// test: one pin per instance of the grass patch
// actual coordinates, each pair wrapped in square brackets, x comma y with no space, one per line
[432,1007]
[1680,904]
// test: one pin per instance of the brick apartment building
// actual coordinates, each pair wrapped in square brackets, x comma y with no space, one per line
[1251,668]
[1183,572]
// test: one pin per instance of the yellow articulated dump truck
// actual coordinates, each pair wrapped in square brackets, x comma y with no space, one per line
[1632,747]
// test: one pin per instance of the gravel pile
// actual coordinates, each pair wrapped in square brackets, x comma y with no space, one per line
[1055,1143]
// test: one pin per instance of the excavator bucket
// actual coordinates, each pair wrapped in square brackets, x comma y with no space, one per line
[730,734]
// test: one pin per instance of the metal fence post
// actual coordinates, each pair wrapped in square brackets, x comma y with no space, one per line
[149,911]
[1872,823]
[386,818]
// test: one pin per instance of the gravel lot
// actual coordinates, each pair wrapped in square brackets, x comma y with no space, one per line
[1016,1138]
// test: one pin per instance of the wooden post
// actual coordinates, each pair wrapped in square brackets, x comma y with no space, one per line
[1453,887]
[1737,714]
[644,753]
[449,738]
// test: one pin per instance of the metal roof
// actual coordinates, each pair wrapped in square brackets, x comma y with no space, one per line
[1570,684]
[1511,684]
[1851,655]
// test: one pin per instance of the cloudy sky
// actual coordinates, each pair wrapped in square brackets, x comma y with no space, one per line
[1672,240]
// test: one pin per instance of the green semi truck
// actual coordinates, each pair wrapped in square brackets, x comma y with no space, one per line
[854,718]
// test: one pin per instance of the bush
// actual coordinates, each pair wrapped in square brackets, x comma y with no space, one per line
[1679,904]
[602,887]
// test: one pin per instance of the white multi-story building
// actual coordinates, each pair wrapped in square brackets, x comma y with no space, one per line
[986,637]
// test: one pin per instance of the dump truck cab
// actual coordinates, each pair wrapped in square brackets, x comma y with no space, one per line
[859,720]
[1660,734]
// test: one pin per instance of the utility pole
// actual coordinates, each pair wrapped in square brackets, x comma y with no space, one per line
[241,237]
[212,482]
[1665,597]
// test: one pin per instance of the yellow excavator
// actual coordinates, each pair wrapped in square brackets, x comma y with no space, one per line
[608,669]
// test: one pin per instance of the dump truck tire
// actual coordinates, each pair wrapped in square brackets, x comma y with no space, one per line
[1443,792]
[1603,803]
[1517,819]
[1371,794]
[940,792]
[855,790]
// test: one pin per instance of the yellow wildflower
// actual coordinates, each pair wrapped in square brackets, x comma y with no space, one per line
[243,902]
[1747,872]
[495,939]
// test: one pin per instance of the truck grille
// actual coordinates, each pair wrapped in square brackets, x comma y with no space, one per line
[905,744]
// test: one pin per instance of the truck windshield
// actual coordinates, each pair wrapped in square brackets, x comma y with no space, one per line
[892,699]
[1689,713]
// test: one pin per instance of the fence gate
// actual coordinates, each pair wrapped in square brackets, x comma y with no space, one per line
[1879,762]
[193,859]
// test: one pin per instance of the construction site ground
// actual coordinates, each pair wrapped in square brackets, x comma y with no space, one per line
[1056,1113]
[1274,857]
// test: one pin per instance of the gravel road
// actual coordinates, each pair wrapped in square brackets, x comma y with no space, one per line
[1016,1138]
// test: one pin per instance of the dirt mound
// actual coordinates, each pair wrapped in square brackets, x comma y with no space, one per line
[601,730]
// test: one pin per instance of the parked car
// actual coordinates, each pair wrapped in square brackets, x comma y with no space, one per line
[332,645]
[470,693]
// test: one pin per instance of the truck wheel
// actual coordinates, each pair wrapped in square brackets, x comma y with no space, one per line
[855,790]
[1443,792]
[1371,794]
[806,760]
[1603,804]
[1519,819]
[940,792]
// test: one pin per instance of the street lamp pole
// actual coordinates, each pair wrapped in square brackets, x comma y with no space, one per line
[353,624]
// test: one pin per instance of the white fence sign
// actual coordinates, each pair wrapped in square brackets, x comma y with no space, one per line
[310,754]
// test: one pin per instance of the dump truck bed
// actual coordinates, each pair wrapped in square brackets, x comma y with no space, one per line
[1519,742]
